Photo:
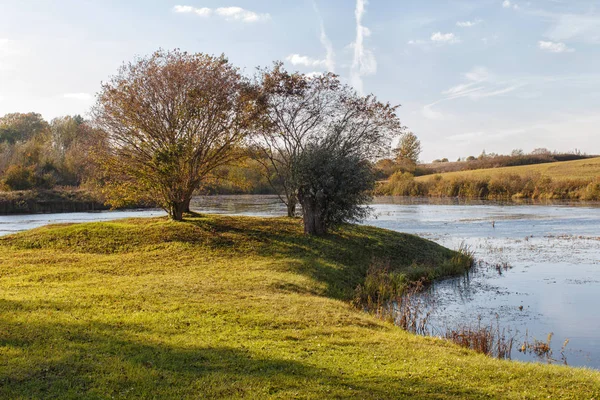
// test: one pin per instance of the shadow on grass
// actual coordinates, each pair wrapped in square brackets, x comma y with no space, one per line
[94,360]
[340,259]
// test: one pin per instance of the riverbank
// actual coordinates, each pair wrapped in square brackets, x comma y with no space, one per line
[568,180]
[230,307]
[52,201]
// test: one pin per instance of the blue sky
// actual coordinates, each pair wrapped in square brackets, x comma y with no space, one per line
[470,75]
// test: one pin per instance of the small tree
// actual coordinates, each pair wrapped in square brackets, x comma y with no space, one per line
[333,186]
[169,120]
[303,112]
[409,148]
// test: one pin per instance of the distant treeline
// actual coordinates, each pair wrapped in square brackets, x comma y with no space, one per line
[387,167]
[49,167]
[485,161]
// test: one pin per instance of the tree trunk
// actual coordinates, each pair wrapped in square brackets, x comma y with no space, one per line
[313,223]
[186,205]
[291,209]
[176,210]
[291,203]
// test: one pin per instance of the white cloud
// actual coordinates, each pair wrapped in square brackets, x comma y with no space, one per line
[239,14]
[203,12]
[227,13]
[314,74]
[78,96]
[468,24]
[364,62]
[297,59]
[553,47]
[444,38]
[437,38]
[508,4]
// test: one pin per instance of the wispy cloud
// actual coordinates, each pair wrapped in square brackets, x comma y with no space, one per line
[567,27]
[227,13]
[444,38]
[583,28]
[553,47]
[364,62]
[78,96]
[328,63]
[325,42]
[468,24]
[479,83]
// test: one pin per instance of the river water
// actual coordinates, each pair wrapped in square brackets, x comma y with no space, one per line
[539,267]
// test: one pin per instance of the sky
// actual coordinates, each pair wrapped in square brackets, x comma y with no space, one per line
[470,76]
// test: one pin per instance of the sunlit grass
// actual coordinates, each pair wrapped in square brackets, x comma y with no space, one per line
[565,170]
[230,307]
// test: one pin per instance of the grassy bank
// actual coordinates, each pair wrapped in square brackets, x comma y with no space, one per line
[230,307]
[568,180]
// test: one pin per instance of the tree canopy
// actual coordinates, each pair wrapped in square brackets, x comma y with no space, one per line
[409,148]
[305,115]
[169,120]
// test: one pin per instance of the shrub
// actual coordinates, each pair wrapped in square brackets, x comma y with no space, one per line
[18,177]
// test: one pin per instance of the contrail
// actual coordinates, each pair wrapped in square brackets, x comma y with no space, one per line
[330,57]
[364,62]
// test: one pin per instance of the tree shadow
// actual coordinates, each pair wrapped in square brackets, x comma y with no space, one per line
[339,259]
[96,360]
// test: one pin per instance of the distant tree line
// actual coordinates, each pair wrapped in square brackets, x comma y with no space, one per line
[386,167]
[36,154]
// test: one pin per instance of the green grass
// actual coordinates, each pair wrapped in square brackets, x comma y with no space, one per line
[578,169]
[230,307]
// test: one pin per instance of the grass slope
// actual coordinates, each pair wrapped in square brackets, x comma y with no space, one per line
[578,169]
[230,307]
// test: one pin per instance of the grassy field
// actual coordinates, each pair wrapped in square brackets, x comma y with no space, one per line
[579,169]
[567,180]
[231,307]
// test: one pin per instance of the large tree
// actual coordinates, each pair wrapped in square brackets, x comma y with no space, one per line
[303,111]
[169,120]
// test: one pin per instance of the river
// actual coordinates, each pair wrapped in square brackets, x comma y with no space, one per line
[539,273]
